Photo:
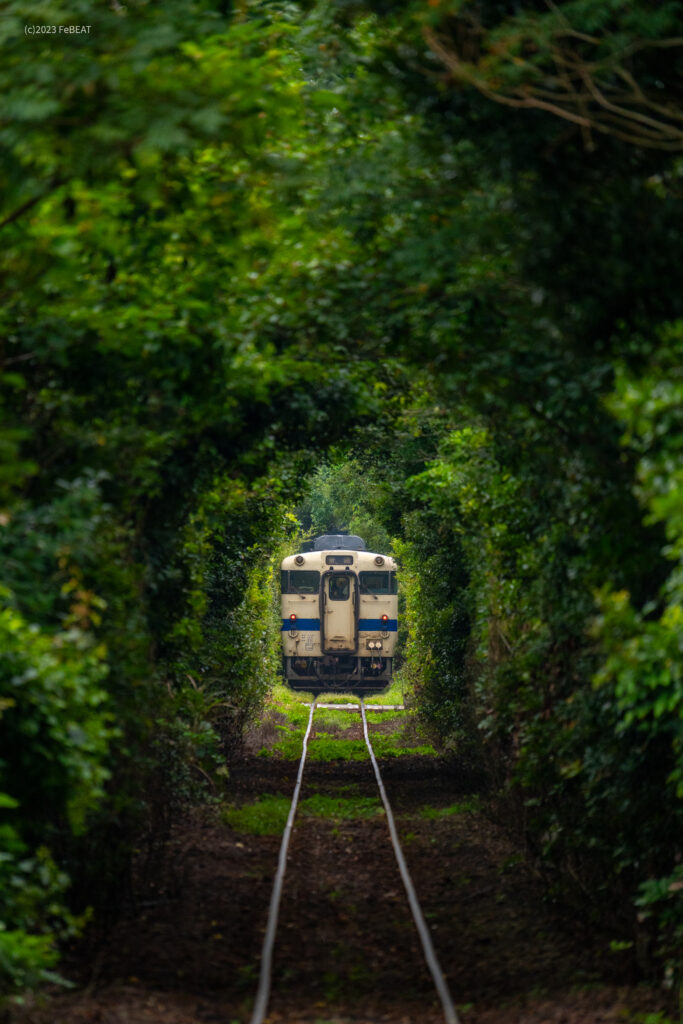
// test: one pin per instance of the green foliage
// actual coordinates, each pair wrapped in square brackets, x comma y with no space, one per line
[342,808]
[227,643]
[266,817]
[437,622]
[33,913]
[235,247]
[601,68]
[643,648]
[106,432]
[342,498]
[340,749]
[432,813]
[56,731]
[55,725]
[151,435]
[25,960]
[549,735]
[521,504]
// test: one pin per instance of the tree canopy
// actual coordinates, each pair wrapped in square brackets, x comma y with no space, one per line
[430,246]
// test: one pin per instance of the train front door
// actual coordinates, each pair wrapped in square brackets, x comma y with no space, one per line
[339,600]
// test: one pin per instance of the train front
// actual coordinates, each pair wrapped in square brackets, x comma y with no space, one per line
[339,617]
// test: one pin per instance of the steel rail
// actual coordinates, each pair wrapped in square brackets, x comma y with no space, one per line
[265,976]
[427,946]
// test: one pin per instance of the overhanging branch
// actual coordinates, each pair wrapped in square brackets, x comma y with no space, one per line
[579,90]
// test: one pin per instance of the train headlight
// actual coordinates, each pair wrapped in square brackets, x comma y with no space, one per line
[379,560]
[299,559]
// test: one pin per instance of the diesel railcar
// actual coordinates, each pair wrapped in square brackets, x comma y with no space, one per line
[339,616]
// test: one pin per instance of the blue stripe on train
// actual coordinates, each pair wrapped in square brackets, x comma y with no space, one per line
[366,624]
[310,624]
[376,624]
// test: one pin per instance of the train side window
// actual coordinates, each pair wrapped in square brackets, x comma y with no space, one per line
[339,588]
[301,581]
[380,583]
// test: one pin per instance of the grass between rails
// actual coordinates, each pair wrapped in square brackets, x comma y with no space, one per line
[268,814]
[340,749]
[340,740]
[285,698]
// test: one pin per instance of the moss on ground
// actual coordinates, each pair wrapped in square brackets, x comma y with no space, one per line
[332,748]
[268,814]
[341,808]
[465,807]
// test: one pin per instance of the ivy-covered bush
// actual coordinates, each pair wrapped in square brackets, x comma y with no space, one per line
[642,664]
[56,728]
[437,625]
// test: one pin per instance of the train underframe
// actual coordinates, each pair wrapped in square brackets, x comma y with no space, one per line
[344,672]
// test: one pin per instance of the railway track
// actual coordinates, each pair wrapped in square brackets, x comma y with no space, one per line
[265,977]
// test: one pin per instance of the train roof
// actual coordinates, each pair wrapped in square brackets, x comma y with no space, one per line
[364,560]
[335,542]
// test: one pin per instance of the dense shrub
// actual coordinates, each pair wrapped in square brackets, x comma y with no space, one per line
[230,244]
[56,728]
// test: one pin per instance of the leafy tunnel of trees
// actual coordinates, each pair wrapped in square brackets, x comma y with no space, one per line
[434,246]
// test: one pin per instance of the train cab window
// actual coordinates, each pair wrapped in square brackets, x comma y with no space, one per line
[380,583]
[300,581]
[339,587]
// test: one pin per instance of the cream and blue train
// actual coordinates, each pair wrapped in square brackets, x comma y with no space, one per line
[339,616]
